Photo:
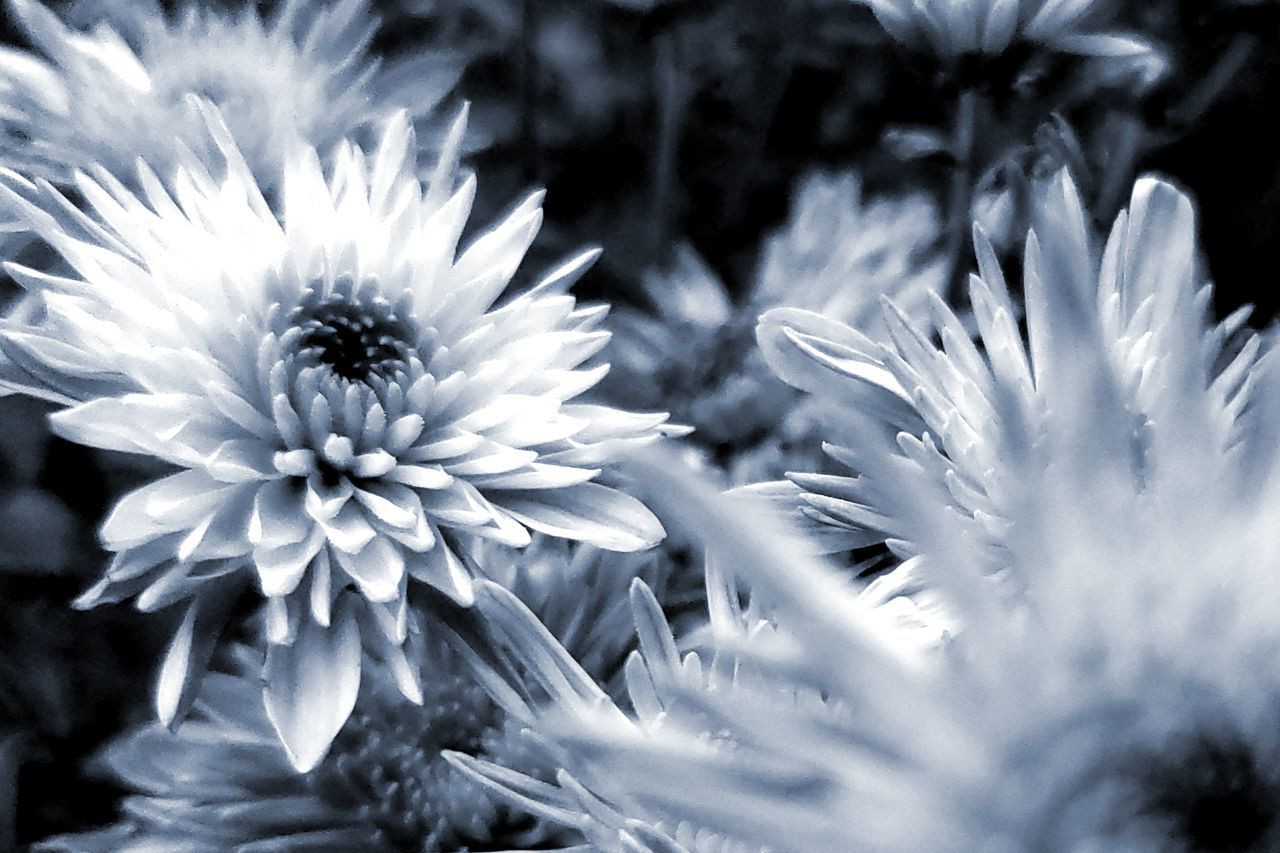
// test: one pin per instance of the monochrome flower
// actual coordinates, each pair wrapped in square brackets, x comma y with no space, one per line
[966,427]
[952,29]
[1077,706]
[303,77]
[694,349]
[223,780]
[343,402]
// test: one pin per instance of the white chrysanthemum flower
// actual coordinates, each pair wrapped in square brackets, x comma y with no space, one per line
[224,782]
[537,680]
[946,413]
[342,398]
[953,29]
[838,254]
[1119,692]
[302,78]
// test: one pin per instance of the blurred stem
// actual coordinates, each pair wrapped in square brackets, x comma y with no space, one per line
[1215,82]
[960,197]
[11,754]
[1128,146]
[530,154]
[673,93]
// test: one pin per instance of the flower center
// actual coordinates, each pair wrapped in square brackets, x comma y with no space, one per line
[356,341]
[386,767]
[1215,798]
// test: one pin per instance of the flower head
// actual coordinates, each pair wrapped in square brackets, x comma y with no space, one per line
[343,403]
[967,430]
[223,780]
[666,678]
[1094,506]
[1078,708]
[956,29]
[302,78]
[837,255]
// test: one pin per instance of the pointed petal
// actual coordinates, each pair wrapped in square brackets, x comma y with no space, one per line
[588,512]
[311,685]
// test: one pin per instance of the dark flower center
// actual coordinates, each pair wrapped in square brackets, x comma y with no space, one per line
[1214,798]
[354,340]
[385,768]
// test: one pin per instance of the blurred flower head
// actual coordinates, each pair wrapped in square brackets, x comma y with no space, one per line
[343,401]
[837,255]
[1078,706]
[223,781]
[302,78]
[957,29]
[667,679]
[966,431]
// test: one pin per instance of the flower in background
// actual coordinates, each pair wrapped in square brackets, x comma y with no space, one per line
[1078,706]
[837,255]
[956,29]
[223,781]
[964,427]
[343,402]
[302,78]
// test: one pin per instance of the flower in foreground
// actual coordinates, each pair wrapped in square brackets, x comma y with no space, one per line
[1119,692]
[344,404]
[223,781]
[539,682]
[303,77]
[964,429]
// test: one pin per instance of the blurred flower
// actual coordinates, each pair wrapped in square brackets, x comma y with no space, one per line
[338,392]
[223,781]
[954,29]
[965,428]
[303,78]
[542,684]
[837,255]
[1078,708]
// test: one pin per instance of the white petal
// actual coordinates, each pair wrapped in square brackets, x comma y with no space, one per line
[311,686]
[588,512]
[377,568]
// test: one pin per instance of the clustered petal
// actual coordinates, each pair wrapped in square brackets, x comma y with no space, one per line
[1075,704]
[224,779]
[953,29]
[302,77]
[344,403]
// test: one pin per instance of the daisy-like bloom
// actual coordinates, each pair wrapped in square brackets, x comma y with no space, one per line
[840,252]
[956,29]
[837,255]
[1095,505]
[1118,692]
[303,77]
[942,412]
[537,680]
[344,403]
[224,782]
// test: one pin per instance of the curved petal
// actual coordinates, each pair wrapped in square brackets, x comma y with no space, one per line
[588,512]
[311,685]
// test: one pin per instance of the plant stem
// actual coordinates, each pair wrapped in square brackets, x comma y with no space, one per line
[1215,82]
[672,93]
[960,197]
[530,154]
